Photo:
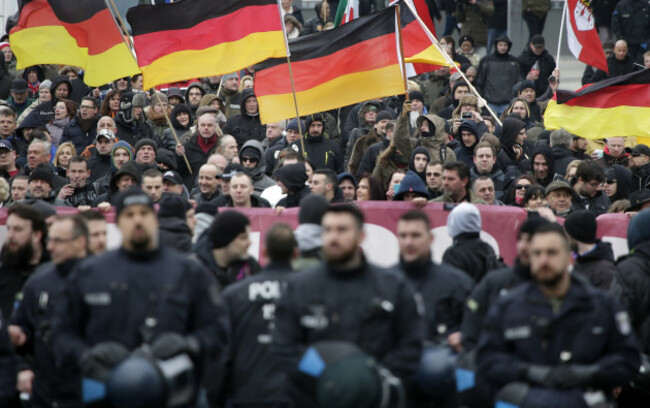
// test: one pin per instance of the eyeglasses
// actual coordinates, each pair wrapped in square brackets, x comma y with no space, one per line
[434,174]
[520,186]
[249,159]
[86,107]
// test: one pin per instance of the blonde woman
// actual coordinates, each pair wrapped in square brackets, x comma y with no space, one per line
[64,153]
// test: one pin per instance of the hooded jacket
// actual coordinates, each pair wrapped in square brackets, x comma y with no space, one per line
[623,178]
[360,148]
[80,136]
[127,168]
[545,151]
[44,112]
[510,154]
[411,183]
[497,74]
[597,265]
[363,129]
[641,178]
[421,150]
[294,177]
[198,86]
[323,151]
[435,143]
[260,180]
[245,126]
[465,154]
[397,154]
[167,138]
[546,66]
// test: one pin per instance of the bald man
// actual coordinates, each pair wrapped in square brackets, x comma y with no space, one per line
[619,63]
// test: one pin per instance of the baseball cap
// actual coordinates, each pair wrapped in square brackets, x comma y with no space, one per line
[173,176]
[19,86]
[231,170]
[640,150]
[537,40]
[107,133]
[638,198]
[6,144]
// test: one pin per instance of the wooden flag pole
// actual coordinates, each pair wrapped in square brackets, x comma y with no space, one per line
[401,49]
[435,42]
[171,127]
[293,87]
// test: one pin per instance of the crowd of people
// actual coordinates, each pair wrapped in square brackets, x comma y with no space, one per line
[567,325]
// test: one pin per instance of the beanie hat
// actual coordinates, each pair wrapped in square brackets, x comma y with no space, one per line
[226,227]
[293,176]
[145,142]
[250,151]
[172,206]
[464,38]
[525,84]
[166,157]
[638,231]
[162,96]
[384,115]
[581,226]
[464,218]
[41,172]
[45,84]
[411,183]
[209,208]
[139,100]
[44,208]
[312,209]
[530,226]
[293,125]
[132,196]
[416,95]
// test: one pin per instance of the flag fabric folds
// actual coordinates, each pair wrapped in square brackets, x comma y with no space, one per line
[619,106]
[82,34]
[582,36]
[199,38]
[347,11]
[348,64]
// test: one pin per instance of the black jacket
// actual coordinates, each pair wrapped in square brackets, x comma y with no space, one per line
[99,166]
[175,233]
[84,196]
[497,74]
[109,296]
[616,68]
[546,66]
[631,21]
[236,271]
[324,153]
[369,159]
[641,178]
[597,205]
[471,255]
[522,329]
[370,306]
[597,265]
[562,158]
[630,287]
[12,279]
[251,373]
[41,295]
[244,127]
[80,138]
[196,157]
[132,132]
[8,370]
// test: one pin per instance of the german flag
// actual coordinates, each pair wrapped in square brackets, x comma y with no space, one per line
[619,106]
[83,34]
[198,38]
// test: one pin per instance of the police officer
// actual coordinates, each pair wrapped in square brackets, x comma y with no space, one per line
[554,337]
[346,298]
[31,321]
[139,293]
[252,375]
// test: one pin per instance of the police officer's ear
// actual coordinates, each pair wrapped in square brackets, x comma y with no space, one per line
[432,236]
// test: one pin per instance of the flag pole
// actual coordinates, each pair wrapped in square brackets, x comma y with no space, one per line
[293,87]
[171,127]
[559,40]
[401,49]
[120,25]
[435,42]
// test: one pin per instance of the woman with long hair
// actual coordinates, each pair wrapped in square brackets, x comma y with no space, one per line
[370,189]
[111,103]
[62,157]
[64,111]
[517,190]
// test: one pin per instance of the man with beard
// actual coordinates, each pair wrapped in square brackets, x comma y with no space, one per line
[373,307]
[555,337]
[82,130]
[79,192]
[40,186]
[138,294]
[31,322]
[230,96]
[590,178]
[322,151]
[543,165]
[22,252]
[434,178]
[223,248]
[193,96]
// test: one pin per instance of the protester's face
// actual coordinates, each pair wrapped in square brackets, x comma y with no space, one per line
[19,234]
[114,102]
[460,91]
[62,244]
[521,187]
[120,157]
[537,50]
[96,236]
[19,97]
[466,47]
[241,190]
[471,74]
[434,176]
[484,160]
[146,155]
[549,258]
[183,118]
[273,131]
[615,145]
[414,240]
[363,190]
[579,144]
[62,91]
[249,162]
[319,184]
[125,182]
[88,110]
[292,135]
[36,155]
[396,178]
[420,162]
[485,190]
[139,227]
[559,200]
[540,167]
[39,189]
[380,127]
[6,51]
[610,187]
[467,108]
[520,109]
[371,115]
[194,95]
[347,188]
[159,108]
[452,184]
[104,145]
[238,248]
[424,126]
[316,129]
[7,158]
[590,188]
[528,94]
[78,174]
[229,149]
[138,83]
[288,25]
[620,50]
[7,125]
[208,181]
[416,105]
[171,187]
[469,139]
[536,202]
[207,126]
[521,137]
[153,186]
[44,94]
[502,47]
[341,237]
[231,84]
[251,105]
[106,123]
[19,189]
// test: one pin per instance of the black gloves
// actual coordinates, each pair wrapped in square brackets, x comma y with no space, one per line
[168,345]
[98,361]
[564,376]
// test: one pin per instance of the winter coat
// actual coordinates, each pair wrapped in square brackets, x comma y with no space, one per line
[167,138]
[562,157]
[260,180]
[631,21]
[80,138]
[236,271]
[388,160]
[133,131]
[56,129]
[175,233]
[359,149]
[472,255]
[497,74]
[436,144]
[641,178]
[616,68]
[475,19]
[546,64]
[597,265]
[196,157]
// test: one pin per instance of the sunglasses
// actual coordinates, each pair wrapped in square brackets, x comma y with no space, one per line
[520,186]
[248,159]
[610,181]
